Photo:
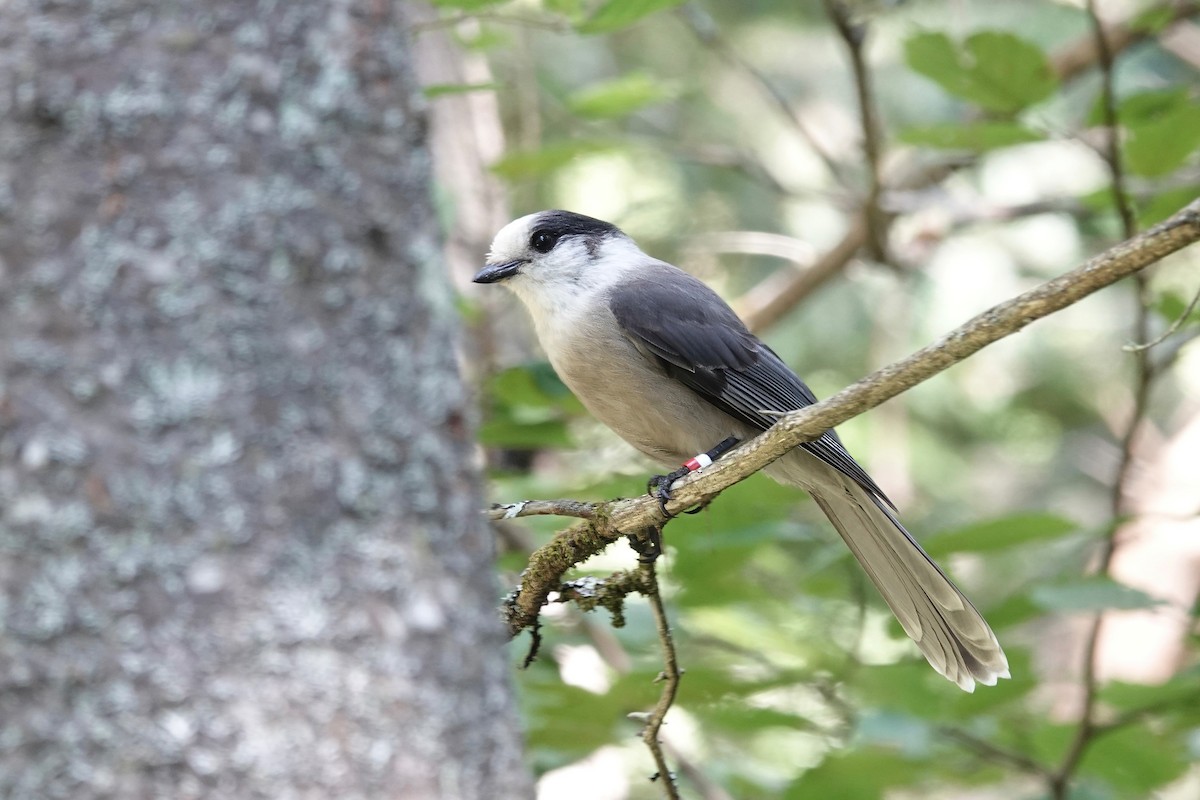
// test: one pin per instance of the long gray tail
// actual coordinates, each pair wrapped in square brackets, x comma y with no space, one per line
[947,628]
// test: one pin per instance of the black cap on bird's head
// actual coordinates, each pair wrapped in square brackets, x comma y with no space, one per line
[524,240]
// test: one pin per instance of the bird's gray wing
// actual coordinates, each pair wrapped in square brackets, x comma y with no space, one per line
[675,320]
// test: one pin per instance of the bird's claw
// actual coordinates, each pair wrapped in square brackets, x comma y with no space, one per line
[648,545]
[659,487]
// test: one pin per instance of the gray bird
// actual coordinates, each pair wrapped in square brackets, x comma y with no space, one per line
[661,359]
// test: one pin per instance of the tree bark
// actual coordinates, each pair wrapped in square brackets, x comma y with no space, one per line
[240,548]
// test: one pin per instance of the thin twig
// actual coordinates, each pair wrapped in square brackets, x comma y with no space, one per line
[994,752]
[547,564]
[704,28]
[1108,102]
[1059,781]
[1175,348]
[854,34]
[1134,715]
[533,508]
[669,677]
[1174,326]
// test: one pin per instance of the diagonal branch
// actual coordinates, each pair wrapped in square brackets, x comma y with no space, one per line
[993,752]
[548,563]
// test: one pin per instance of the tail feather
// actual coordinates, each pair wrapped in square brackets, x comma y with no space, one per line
[947,628]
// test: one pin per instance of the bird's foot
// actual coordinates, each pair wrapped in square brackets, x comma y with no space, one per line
[647,544]
[659,486]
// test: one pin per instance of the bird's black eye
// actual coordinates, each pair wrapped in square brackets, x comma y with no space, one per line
[543,241]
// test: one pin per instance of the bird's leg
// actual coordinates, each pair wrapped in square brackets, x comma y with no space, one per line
[660,485]
[647,544]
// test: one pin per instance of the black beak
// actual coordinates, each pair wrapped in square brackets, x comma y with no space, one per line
[498,272]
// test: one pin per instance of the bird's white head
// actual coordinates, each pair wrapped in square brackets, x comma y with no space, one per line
[553,255]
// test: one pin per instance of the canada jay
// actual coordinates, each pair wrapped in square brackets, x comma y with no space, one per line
[658,357]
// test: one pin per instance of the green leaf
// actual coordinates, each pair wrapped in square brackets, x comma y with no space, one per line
[1163,127]
[1182,690]
[719,549]
[1013,611]
[975,136]
[718,690]
[530,406]
[535,384]
[525,435]
[911,687]
[1048,740]
[999,533]
[1166,203]
[617,14]
[1153,20]
[998,71]
[739,718]
[1171,306]
[1091,594]
[861,774]
[1135,760]
[545,160]
[565,723]
[443,89]
[567,8]
[618,97]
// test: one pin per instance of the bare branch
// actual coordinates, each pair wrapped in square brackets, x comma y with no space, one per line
[993,752]
[610,593]
[532,508]
[1108,104]
[854,34]
[669,677]
[1171,329]
[802,284]
[1059,781]
[548,563]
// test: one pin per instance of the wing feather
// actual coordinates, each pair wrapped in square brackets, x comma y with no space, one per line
[687,329]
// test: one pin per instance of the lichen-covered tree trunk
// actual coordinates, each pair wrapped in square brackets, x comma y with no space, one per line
[240,554]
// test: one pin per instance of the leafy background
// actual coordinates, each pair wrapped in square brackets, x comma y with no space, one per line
[696,128]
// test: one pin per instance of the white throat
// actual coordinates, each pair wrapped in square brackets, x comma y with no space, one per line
[570,284]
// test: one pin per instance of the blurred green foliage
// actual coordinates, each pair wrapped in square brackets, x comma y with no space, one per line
[668,120]
[998,72]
